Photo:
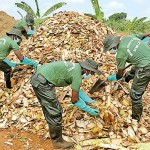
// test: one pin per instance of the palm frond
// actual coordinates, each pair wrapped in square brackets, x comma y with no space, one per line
[25,7]
[90,15]
[37,8]
[53,8]
[142,19]
[20,14]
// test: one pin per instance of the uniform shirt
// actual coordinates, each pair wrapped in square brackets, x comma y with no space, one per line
[21,24]
[62,74]
[133,50]
[6,45]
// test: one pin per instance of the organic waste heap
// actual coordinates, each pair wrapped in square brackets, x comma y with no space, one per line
[73,37]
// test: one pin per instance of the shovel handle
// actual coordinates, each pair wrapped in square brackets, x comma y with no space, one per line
[127,66]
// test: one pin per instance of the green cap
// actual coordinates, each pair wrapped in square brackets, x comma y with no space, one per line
[110,41]
[30,19]
[14,31]
[91,65]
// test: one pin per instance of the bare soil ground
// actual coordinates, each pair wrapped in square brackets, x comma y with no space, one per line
[11,139]
[6,23]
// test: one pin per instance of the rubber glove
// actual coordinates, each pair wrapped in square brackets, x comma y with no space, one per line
[30,32]
[27,61]
[85,97]
[112,77]
[146,40]
[81,105]
[11,64]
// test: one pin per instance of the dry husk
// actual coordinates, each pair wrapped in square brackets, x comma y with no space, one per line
[73,37]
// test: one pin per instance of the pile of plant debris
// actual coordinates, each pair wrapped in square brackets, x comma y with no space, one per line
[73,37]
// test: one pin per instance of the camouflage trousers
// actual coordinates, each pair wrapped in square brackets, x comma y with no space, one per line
[45,92]
[141,79]
[7,72]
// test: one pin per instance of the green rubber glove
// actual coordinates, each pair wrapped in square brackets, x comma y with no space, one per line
[81,105]
[30,32]
[112,77]
[11,64]
[85,97]
[146,40]
[27,61]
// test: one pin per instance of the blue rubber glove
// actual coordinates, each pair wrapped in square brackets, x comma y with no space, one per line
[81,105]
[27,61]
[30,32]
[112,77]
[11,64]
[85,97]
[146,40]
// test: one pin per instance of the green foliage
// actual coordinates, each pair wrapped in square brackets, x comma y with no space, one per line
[37,8]
[38,18]
[53,8]
[123,25]
[24,6]
[118,16]
[90,15]
[136,25]
[117,25]
[99,15]
[20,14]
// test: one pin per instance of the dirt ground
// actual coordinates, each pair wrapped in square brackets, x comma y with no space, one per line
[13,140]
[6,23]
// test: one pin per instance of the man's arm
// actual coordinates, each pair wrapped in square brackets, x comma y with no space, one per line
[74,97]
[26,29]
[29,31]
[119,74]
[32,28]
[25,60]
[145,35]
[19,55]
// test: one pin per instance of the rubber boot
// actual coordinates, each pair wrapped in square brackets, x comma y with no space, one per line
[56,137]
[7,79]
[137,112]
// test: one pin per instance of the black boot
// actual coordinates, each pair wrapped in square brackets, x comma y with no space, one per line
[7,79]
[137,112]
[56,137]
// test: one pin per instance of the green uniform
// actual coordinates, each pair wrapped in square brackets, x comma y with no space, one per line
[44,81]
[62,74]
[21,24]
[6,45]
[48,76]
[133,50]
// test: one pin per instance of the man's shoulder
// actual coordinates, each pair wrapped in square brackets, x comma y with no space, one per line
[6,39]
[135,36]
[21,21]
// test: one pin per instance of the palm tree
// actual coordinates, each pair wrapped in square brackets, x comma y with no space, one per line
[38,17]
[136,25]
[99,15]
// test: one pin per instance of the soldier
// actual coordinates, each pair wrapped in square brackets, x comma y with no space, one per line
[7,44]
[60,74]
[133,50]
[26,26]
